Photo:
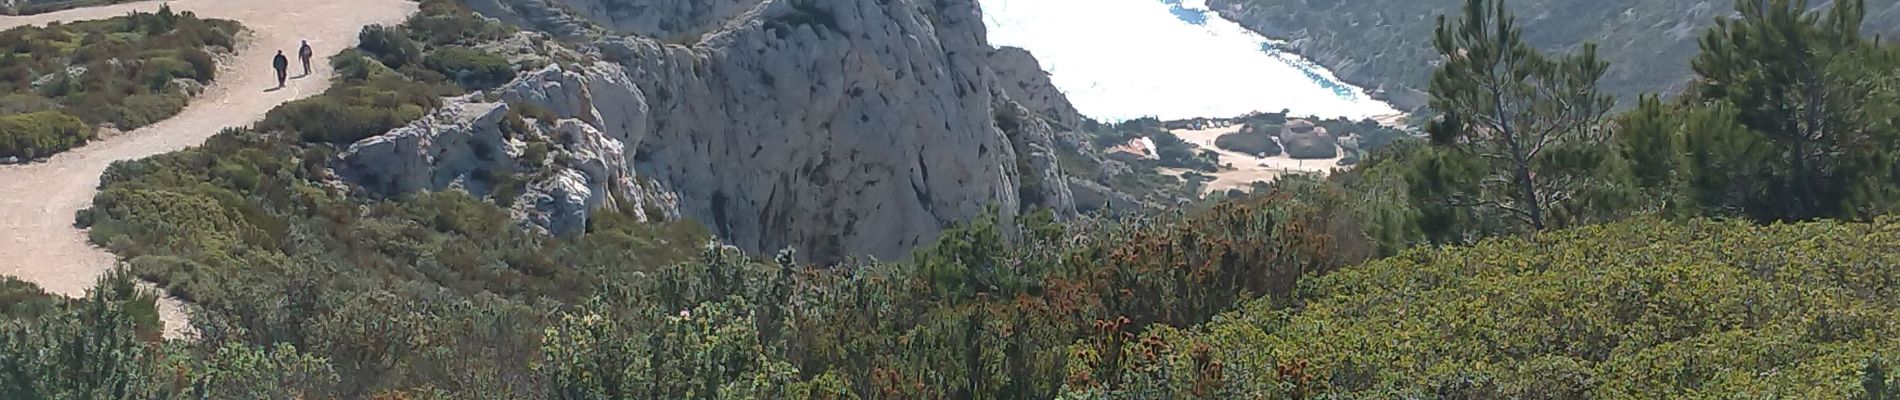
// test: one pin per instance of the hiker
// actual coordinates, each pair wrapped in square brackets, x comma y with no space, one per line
[305,54]
[283,66]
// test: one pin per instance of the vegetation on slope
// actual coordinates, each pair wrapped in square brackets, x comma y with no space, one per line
[308,290]
[59,81]
[1640,309]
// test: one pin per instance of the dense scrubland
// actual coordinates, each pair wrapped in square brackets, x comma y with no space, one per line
[60,82]
[1731,242]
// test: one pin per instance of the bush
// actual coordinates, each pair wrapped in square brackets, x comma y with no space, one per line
[146,109]
[337,120]
[446,22]
[40,134]
[471,67]
[357,110]
[130,64]
[1638,309]
[389,45]
[1308,146]
[1256,142]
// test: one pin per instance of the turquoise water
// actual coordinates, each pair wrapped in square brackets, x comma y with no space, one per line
[1188,15]
[1125,59]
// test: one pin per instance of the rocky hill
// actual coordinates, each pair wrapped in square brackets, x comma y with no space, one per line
[834,127]
[1386,44]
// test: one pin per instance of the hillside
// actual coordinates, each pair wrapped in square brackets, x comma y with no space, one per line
[1386,44]
[1640,309]
[844,199]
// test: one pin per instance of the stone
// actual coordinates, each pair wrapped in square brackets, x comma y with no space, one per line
[1023,80]
[833,127]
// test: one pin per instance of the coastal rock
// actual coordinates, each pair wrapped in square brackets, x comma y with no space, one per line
[441,150]
[554,172]
[834,127]
[1042,184]
[1023,80]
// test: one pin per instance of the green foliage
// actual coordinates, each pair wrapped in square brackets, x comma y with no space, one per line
[1823,97]
[1640,309]
[309,290]
[470,67]
[448,22]
[1532,120]
[21,300]
[122,71]
[1646,139]
[371,101]
[389,45]
[371,296]
[39,134]
[1250,141]
[90,348]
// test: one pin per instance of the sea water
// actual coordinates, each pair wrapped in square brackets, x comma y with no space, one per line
[1124,59]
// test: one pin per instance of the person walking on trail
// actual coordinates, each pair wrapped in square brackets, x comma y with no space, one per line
[283,67]
[305,53]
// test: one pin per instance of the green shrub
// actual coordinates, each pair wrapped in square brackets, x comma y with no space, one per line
[389,45]
[1256,142]
[470,67]
[130,63]
[40,134]
[145,109]
[333,120]
[1639,309]
[24,300]
[356,110]
[446,22]
[1310,145]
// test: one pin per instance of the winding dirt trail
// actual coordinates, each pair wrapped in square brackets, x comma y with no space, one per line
[38,242]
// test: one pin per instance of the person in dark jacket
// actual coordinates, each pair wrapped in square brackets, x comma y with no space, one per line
[304,54]
[283,67]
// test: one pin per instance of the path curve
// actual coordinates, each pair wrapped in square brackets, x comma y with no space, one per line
[38,201]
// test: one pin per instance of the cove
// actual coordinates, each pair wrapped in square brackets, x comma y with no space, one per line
[1125,59]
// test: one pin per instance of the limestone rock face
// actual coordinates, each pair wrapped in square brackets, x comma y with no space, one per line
[834,127]
[1022,78]
[554,171]
[444,149]
[1043,183]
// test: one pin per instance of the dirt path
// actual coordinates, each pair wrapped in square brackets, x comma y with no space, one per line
[1248,168]
[38,242]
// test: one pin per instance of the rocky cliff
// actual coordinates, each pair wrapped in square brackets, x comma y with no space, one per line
[835,127]
[1023,80]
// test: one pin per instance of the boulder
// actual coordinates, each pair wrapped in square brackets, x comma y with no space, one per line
[833,127]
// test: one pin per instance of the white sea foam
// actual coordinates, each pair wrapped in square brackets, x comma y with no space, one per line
[1125,59]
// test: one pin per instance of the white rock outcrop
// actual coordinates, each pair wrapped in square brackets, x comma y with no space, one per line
[835,127]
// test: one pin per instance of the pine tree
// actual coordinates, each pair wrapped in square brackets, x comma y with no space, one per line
[1646,138]
[1533,120]
[1821,94]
